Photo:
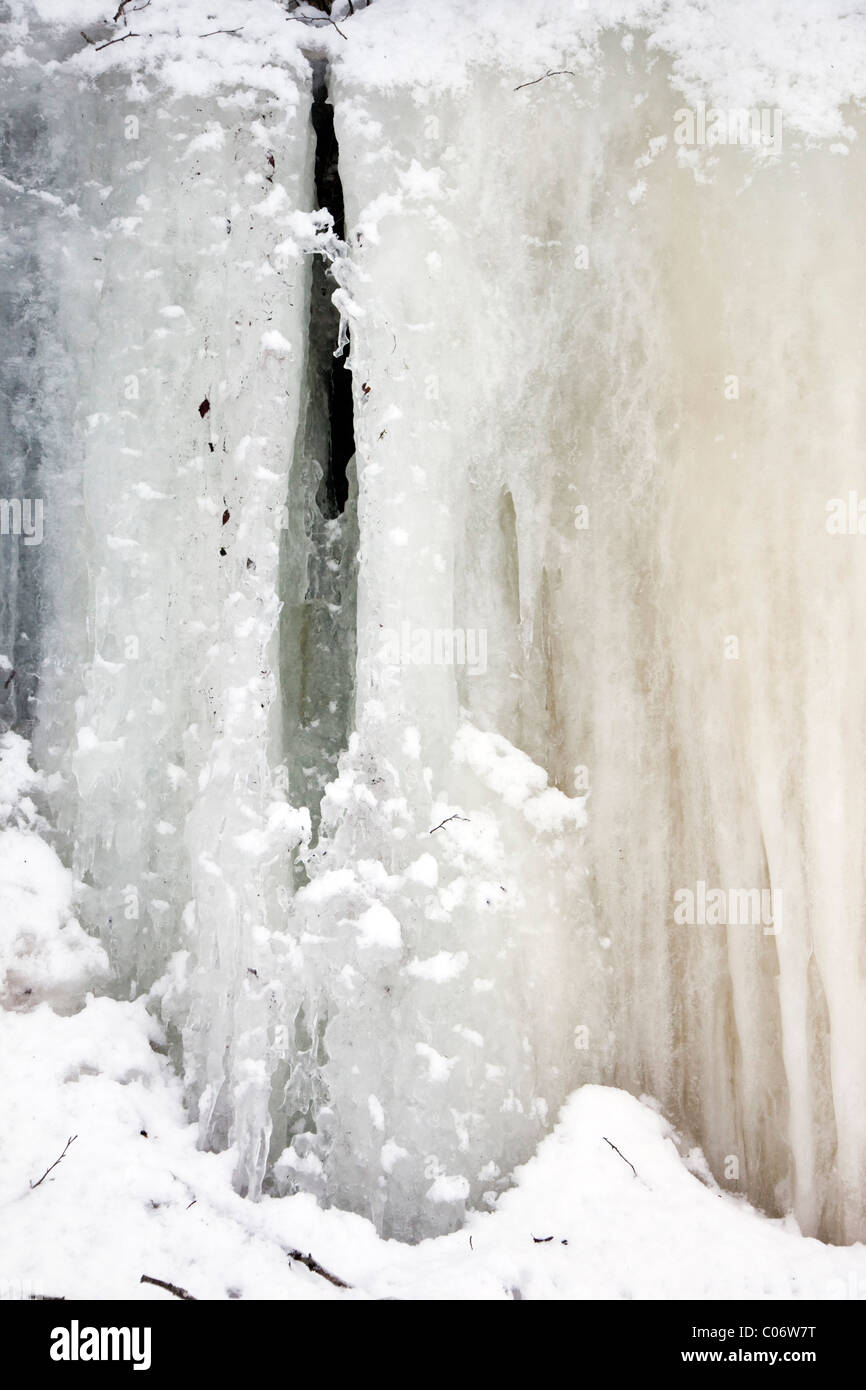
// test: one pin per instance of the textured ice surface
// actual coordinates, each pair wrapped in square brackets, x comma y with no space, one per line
[605,648]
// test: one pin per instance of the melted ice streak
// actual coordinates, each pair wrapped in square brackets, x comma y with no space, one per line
[391,1015]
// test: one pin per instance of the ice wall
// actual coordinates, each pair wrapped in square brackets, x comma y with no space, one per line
[179,309]
[384,778]
[612,388]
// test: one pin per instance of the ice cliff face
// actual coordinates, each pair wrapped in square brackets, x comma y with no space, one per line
[399,743]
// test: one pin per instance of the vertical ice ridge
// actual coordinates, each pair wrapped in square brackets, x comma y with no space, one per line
[28,308]
[162,702]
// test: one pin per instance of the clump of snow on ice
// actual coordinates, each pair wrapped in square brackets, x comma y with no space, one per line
[448,1189]
[522,784]
[45,956]
[44,953]
[444,966]
[274,341]
[17,780]
[379,927]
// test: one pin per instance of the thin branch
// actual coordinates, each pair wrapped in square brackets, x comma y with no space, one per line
[170,1288]
[560,72]
[302,20]
[315,1268]
[622,1155]
[122,7]
[122,39]
[446,820]
[211,32]
[70,1140]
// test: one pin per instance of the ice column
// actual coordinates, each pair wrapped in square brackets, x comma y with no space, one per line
[163,653]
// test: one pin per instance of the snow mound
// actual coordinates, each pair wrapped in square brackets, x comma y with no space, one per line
[605,1209]
[45,956]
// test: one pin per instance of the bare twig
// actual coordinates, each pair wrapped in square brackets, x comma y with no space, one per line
[446,820]
[622,1155]
[315,1268]
[122,8]
[122,39]
[170,1288]
[70,1140]
[211,32]
[559,72]
[302,20]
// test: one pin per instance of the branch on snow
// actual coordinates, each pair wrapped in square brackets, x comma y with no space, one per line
[302,19]
[445,822]
[559,72]
[315,1268]
[171,1288]
[70,1140]
[122,39]
[622,1155]
[121,9]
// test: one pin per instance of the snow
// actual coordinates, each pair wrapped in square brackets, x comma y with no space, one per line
[806,59]
[44,953]
[444,966]
[379,927]
[134,1195]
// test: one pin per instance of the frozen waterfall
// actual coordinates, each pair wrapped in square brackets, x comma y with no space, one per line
[432,737]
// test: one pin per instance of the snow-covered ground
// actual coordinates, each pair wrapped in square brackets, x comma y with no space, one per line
[102,1180]
[134,1196]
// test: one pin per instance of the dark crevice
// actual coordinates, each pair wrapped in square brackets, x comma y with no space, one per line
[324,317]
[320,544]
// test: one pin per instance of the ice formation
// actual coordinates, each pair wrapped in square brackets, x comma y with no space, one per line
[379,736]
